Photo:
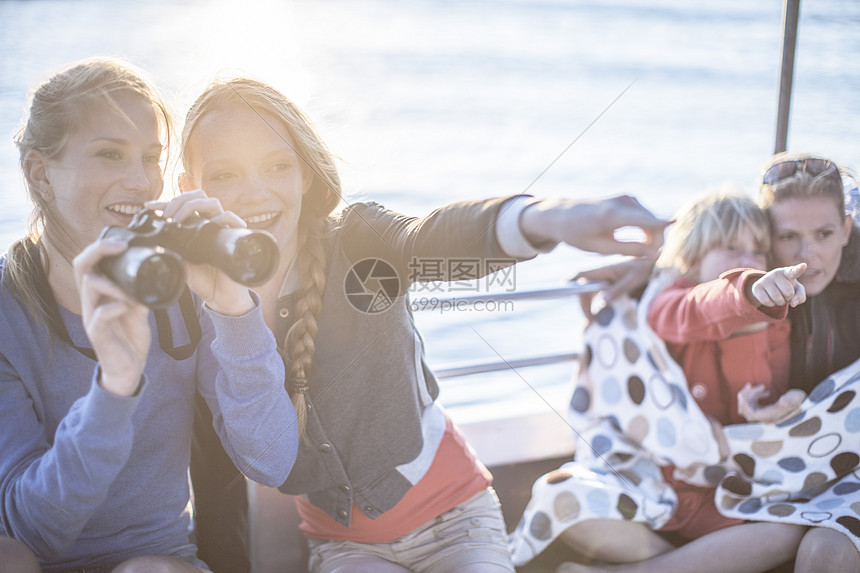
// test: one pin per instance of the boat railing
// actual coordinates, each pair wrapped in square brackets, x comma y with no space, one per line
[571,289]
[503,436]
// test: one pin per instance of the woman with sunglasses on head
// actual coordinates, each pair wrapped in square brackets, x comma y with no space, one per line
[804,197]
[96,401]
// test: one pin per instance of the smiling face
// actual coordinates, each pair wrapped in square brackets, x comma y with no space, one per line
[109,166]
[246,159]
[811,230]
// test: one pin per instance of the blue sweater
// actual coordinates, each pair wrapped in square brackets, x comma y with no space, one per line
[88,477]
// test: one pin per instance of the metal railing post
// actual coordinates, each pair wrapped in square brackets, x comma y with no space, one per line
[790,16]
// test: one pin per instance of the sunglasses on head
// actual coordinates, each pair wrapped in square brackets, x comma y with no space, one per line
[785,169]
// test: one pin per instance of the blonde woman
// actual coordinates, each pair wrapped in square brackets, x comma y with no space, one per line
[804,196]
[387,482]
[95,408]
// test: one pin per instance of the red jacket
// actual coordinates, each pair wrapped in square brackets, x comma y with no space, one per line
[697,322]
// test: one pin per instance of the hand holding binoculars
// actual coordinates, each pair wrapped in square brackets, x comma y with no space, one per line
[151,270]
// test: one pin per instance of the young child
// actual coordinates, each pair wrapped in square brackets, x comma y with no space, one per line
[724,321]
[707,307]
[386,481]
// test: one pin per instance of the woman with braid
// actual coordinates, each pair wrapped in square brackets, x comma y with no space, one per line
[385,480]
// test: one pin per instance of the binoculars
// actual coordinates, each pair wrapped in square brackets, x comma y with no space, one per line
[151,270]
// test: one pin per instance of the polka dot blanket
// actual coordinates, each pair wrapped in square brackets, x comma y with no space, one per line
[632,412]
[803,470]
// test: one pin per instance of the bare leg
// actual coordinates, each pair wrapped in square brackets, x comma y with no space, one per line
[157,564]
[826,550]
[614,541]
[745,548]
[16,557]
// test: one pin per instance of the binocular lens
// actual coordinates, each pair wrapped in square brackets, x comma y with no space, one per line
[152,275]
[255,258]
[160,279]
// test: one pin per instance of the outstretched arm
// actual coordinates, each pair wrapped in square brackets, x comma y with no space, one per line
[591,225]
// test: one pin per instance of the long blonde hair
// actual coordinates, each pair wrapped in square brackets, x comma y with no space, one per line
[55,113]
[318,202]
[710,221]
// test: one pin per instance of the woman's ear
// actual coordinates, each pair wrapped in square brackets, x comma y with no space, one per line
[185,183]
[35,167]
[848,223]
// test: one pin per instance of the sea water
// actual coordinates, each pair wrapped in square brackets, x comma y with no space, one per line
[429,101]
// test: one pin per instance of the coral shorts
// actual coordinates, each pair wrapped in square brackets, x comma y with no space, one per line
[696,514]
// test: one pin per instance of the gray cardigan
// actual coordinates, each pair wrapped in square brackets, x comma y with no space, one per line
[374,426]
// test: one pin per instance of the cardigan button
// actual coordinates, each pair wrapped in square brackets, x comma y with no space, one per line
[284,312]
[342,514]
[325,448]
[369,510]
[345,488]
